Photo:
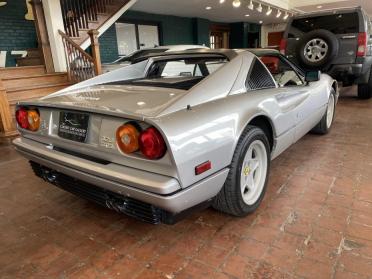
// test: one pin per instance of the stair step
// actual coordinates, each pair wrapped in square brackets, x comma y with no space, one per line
[15,82]
[29,61]
[33,92]
[33,52]
[12,72]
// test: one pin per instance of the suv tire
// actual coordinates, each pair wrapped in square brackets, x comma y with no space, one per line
[365,90]
[317,48]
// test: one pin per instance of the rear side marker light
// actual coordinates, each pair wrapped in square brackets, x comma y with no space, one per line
[127,138]
[203,167]
[362,44]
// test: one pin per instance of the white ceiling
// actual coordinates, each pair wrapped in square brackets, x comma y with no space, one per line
[219,12]
[366,4]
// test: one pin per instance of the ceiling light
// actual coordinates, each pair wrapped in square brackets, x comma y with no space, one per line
[247,15]
[236,3]
[208,8]
[251,6]
[259,8]
[286,16]
[279,14]
[319,7]
[269,11]
[222,1]
[260,22]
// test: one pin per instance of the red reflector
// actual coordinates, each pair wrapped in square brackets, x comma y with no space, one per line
[203,167]
[283,46]
[362,44]
[22,118]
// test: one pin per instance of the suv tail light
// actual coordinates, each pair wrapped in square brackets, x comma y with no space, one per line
[28,119]
[152,144]
[362,44]
[283,46]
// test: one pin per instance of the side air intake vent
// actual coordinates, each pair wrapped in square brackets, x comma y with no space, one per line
[259,77]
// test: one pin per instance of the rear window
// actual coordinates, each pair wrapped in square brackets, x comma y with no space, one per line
[337,24]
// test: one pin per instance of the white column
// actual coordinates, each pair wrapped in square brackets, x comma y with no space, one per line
[54,22]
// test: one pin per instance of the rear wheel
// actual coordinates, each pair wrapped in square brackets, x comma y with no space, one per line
[365,90]
[246,183]
[324,126]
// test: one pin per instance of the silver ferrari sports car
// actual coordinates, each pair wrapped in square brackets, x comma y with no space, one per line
[177,131]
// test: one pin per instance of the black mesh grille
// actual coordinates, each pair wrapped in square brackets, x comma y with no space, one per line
[259,77]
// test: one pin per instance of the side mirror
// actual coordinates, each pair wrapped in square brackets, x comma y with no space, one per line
[312,76]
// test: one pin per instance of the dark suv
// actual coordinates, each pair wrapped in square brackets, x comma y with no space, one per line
[336,42]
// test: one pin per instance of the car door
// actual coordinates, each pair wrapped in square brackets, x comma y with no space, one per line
[294,97]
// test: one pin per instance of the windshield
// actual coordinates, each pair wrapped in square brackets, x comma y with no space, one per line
[335,23]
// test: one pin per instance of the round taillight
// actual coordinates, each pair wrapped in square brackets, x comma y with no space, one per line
[127,138]
[22,118]
[152,144]
[33,119]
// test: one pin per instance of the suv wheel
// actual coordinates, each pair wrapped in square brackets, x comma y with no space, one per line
[317,48]
[365,90]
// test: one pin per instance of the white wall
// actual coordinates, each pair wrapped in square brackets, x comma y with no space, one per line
[267,28]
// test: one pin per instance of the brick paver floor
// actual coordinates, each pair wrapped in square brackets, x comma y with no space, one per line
[315,221]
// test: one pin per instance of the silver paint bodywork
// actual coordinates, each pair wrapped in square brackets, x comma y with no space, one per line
[200,124]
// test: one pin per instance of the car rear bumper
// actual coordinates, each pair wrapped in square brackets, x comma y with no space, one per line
[341,70]
[158,190]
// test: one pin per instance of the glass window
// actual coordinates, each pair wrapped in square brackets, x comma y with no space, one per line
[282,71]
[259,77]
[213,66]
[336,23]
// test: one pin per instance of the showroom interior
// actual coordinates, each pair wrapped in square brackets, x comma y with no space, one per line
[186,139]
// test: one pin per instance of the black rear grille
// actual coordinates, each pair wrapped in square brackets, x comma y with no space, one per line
[137,209]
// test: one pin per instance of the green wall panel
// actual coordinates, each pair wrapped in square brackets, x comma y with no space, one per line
[16,33]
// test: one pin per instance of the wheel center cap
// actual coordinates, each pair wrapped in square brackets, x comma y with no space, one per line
[315,50]
[247,171]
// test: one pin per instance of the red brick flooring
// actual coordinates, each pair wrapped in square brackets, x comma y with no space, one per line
[315,221]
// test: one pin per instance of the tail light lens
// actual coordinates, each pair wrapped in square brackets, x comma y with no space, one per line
[22,118]
[152,144]
[28,119]
[33,118]
[127,138]
[283,46]
[362,44]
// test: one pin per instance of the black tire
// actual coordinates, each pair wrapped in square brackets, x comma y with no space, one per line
[230,199]
[365,90]
[322,128]
[333,47]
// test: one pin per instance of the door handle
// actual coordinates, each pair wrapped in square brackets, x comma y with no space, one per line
[348,37]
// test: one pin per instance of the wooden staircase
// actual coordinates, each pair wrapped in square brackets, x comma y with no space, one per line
[26,83]
[33,58]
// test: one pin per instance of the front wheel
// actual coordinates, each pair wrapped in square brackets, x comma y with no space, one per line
[246,182]
[324,126]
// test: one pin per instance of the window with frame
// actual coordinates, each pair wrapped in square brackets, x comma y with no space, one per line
[283,73]
[259,77]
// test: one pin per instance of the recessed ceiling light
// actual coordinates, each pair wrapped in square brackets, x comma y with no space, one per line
[259,8]
[260,22]
[222,1]
[251,6]
[247,15]
[319,7]
[269,11]
[208,8]
[236,3]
